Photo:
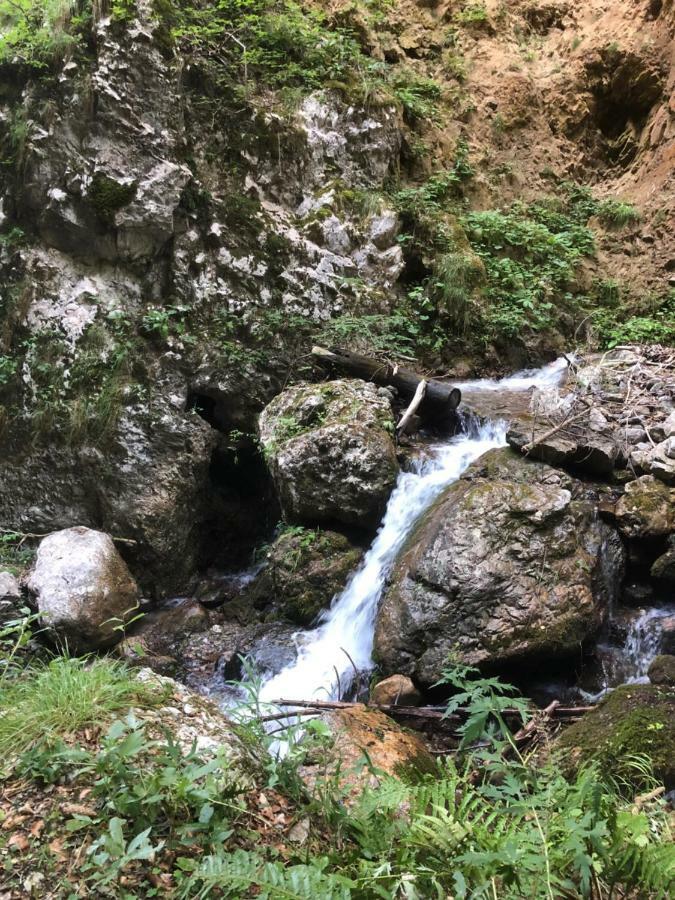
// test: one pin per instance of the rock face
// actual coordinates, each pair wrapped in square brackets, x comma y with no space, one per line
[330,452]
[634,720]
[82,589]
[510,565]
[646,510]
[305,569]
[10,597]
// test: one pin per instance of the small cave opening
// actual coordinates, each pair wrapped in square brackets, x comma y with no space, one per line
[211,407]
[242,507]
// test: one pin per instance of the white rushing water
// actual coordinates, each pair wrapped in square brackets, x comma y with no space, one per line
[343,639]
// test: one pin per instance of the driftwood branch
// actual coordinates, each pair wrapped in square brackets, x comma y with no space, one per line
[440,399]
[33,536]
[526,448]
[306,707]
[407,416]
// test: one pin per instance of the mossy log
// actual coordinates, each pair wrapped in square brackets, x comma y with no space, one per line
[440,399]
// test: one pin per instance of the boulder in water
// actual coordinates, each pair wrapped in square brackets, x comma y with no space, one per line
[397,690]
[510,565]
[305,569]
[662,670]
[330,451]
[82,588]
[634,720]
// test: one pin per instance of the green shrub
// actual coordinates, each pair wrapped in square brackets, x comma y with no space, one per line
[617,214]
[36,33]
[530,256]
[615,326]
[57,699]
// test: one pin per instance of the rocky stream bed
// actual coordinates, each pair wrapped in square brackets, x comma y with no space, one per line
[539,548]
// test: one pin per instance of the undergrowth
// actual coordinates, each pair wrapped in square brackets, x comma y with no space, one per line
[184,821]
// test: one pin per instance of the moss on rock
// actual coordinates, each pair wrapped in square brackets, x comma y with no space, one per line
[636,720]
[306,569]
[107,196]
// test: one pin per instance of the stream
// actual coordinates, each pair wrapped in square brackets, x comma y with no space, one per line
[331,655]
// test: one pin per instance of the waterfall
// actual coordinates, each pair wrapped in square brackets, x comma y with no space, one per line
[343,639]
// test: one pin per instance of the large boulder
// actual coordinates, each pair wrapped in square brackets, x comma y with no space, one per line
[82,588]
[634,720]
[305,569]
[330,451]
[510,565]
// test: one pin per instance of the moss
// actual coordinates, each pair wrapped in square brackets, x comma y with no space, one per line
[634,721]
[107,196]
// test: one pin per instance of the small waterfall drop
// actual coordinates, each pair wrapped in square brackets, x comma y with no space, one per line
[343,640]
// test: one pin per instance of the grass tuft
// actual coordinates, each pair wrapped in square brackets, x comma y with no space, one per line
[63,696]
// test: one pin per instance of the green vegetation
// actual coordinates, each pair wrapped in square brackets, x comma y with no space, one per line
[36,33]
[617,214]
[616,324]
[15,553]
[78,395]
[108,196]
[63,696]
[217,822]
[530,255]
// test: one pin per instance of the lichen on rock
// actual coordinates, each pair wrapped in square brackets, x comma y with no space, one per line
[512,568]
[330,451]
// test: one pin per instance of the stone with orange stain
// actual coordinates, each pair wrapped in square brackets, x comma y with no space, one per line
[365,746]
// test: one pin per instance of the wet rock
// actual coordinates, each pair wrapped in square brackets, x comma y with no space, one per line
[305,569]
[646,509]
[668,635]
[663,568]
[658,461]
[397,690]
[594,453]
[511,565]
[330,452]
[662,670]
[82,588]
[634,720]
[365,741]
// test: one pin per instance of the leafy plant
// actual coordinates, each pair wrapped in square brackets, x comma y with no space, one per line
[617,214]
[36,33]
[63,695]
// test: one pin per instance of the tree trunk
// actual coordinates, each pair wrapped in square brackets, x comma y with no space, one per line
[440,399]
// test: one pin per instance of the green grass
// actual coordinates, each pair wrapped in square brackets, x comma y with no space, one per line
[63,696]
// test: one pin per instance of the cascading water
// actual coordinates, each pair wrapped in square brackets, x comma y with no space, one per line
[328,654]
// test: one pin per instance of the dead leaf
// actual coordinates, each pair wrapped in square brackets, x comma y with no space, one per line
[19,842]
[37,827]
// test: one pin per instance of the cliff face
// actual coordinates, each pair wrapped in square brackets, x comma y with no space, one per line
[180,222]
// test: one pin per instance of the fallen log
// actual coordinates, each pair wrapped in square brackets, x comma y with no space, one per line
[439,398]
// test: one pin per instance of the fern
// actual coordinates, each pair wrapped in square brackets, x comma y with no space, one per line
[233,874]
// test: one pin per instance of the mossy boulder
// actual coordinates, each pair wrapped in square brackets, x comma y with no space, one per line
[331,452]
[305,569]
[646,510]
[634,720]
[510,566]
[662,670]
